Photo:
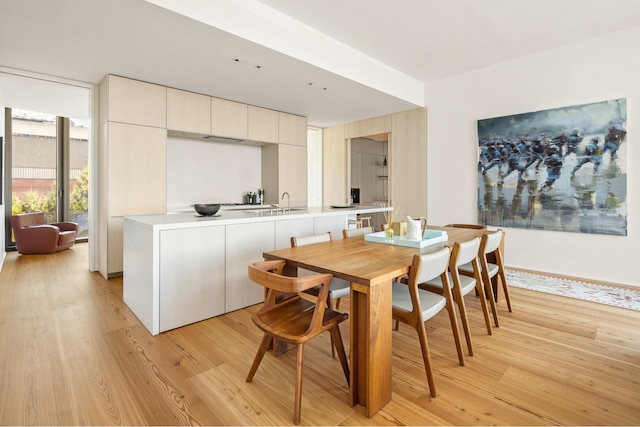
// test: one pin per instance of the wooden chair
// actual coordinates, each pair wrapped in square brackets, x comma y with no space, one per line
[294,320]
[413,306]
[353,232]
[491,264]
[461,254]
[339,288]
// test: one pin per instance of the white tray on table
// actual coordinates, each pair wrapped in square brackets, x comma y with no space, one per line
[430,237]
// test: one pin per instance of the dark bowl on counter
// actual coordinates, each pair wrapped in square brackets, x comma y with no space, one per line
[206,209]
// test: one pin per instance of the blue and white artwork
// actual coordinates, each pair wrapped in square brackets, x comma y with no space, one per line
[562,169]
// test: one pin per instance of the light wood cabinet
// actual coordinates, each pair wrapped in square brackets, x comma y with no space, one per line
[132,161]
[113,246]
[292,129]
[136,102]
[245,243]
[334,167]
[137,181]
[408,162]
[188,111]
[229,118]
[407,159]
[284,169]
[192,282]
[262,124]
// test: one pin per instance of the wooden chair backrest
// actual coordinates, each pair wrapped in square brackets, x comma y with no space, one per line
[312,238]
[353,232]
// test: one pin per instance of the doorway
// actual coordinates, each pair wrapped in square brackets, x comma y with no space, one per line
[369,175]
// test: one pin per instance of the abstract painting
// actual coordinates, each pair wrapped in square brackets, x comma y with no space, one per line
[562,169]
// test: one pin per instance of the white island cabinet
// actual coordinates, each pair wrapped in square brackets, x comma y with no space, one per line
[245,244]
[182,268]
[192,283]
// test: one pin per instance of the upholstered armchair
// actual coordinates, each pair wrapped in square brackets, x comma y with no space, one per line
[34,236]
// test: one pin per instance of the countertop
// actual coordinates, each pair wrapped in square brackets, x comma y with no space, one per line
[224,217]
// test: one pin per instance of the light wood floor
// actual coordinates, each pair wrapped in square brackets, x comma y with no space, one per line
[71,353]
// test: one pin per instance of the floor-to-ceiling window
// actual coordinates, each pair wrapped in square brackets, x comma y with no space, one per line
[47,166]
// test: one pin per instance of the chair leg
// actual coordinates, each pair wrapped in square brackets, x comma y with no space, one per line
[485,308]
[426,357]
[459,299]
[264,346]
[330,307]
[298,397]
[488,289]
[505,288]
[337,340]
[338,303]
[456,332]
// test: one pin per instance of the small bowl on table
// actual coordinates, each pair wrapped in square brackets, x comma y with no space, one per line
[207,209]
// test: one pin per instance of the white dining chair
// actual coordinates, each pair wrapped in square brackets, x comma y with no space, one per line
[413,306]
[463,253]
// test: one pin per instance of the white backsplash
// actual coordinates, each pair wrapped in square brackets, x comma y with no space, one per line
[210,172]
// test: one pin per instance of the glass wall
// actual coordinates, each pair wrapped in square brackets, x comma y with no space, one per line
[49,167]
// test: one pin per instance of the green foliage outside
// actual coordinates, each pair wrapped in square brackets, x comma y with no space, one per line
[32,201]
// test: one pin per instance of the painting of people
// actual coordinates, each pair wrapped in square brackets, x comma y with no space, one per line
[561,169]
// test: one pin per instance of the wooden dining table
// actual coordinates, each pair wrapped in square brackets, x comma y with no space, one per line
[370,267]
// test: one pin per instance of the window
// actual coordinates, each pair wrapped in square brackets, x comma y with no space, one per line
[47,167]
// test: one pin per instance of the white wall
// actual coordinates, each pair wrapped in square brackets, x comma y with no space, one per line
[600,69]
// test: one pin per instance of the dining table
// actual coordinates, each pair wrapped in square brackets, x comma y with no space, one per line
[370,267]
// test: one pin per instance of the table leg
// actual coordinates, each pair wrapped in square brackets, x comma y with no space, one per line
[371,328]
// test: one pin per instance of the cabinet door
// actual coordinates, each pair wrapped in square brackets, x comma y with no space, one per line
[334,223]
[192,282]
[245,245]
[136,102]
[137,182]
[292,129]
[334,165]
[286,229]
[263,124]
[229,118]
[188,111]
[114,246]
[292,173]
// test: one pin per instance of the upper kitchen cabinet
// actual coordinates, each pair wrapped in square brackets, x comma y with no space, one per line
[134,102]
[229,118]
[263,124]
[188,111]
[292,129]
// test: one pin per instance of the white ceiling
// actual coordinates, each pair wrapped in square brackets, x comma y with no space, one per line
[380,51]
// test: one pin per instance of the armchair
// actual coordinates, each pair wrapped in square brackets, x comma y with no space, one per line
[34,236]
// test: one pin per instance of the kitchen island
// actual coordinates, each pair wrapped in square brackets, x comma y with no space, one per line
[183,268]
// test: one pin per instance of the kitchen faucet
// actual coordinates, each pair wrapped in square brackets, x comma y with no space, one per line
[288,205]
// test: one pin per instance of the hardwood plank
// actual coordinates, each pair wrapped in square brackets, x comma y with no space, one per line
[72,353]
